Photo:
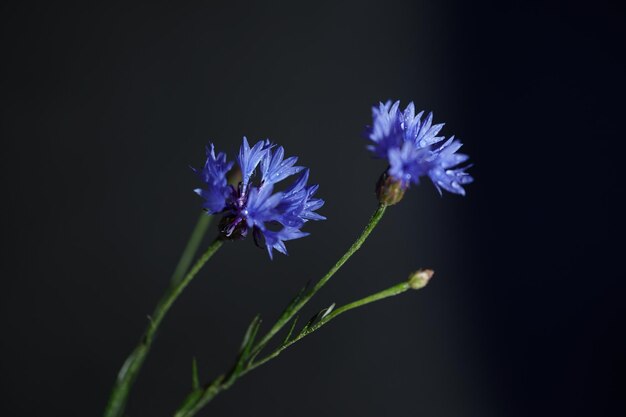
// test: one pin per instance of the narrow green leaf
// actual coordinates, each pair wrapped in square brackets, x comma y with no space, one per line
[195,381]
[297,298]
[248,338]
[246,347]
[293,325]
[244,351]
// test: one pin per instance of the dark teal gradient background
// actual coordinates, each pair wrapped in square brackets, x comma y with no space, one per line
[105,106]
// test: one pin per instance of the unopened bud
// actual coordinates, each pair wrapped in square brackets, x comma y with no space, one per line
[420,278]
[389,190]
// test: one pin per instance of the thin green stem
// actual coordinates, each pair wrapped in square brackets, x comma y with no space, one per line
[200,397]
[389,292]
[204,221]
[291,311]
[132,365]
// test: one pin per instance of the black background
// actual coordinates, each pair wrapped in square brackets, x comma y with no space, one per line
[104,106]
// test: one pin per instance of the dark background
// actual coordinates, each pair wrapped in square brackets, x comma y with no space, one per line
[104,106]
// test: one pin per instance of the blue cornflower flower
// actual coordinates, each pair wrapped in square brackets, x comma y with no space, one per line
[273,217]
[411,145]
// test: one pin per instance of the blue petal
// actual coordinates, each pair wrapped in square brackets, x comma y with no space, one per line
[408,163]
[275,240]
[261,206]
[256,207]
[442,176]
[213,174]
[408,143]
[386,131]
[297,205]
[249,158]
[274,169]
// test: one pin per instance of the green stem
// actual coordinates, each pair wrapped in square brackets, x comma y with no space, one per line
[291,311]
[132,365]
[200,397]
[192,247]
[389,292]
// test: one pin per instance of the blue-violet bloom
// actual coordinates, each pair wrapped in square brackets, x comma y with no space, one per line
[413,149]
[273,217]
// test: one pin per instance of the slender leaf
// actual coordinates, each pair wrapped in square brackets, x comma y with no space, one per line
[297,297]
[195,381]
[246,347]
[293,325]
[248,338]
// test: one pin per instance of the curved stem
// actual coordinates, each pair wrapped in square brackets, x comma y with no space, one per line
[132,365]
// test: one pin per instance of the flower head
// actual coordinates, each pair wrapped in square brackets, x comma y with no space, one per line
[411,145]
[273,217]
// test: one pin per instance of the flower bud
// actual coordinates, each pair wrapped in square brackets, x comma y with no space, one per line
[389,190]
[420,278]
